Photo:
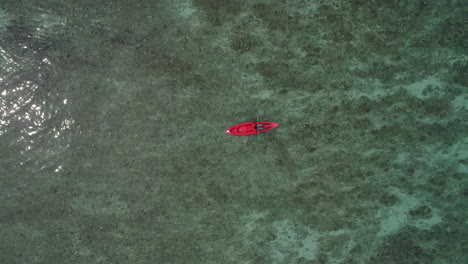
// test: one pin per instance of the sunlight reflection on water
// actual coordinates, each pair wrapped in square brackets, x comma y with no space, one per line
[35,123]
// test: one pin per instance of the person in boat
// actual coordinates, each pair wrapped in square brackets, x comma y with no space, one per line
[258,127]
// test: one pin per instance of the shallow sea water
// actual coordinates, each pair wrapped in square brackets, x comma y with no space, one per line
[112,147]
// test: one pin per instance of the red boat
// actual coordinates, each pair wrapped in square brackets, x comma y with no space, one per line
[250,128]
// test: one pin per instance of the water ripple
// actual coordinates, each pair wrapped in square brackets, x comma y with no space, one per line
[35,122]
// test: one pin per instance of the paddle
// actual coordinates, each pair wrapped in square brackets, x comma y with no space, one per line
[256,127]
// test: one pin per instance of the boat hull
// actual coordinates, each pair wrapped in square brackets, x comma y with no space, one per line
[250,128]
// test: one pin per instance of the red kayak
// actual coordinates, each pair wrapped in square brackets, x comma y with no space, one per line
[250,128]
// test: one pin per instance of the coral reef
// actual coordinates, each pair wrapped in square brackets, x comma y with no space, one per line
[369,163]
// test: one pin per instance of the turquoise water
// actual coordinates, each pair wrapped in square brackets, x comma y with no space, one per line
[112,117]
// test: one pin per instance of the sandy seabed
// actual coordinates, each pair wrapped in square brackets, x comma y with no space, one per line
[112,146]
